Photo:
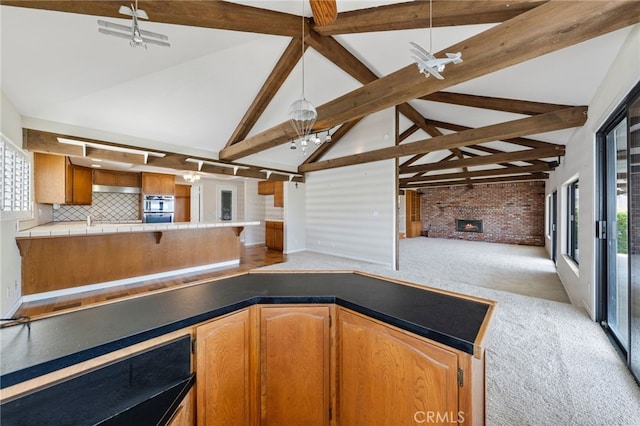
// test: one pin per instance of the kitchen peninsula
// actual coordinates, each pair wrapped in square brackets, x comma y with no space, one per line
[64,255]
[308,347]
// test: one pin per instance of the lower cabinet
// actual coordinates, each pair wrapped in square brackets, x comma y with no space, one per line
[265,365]
[287,365]
[274,235]
[294,365]
[223,371]
[185,413]
[388,374]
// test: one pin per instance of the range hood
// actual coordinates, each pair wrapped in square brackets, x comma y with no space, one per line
[118,189]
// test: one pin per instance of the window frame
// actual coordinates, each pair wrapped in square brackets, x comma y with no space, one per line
[18,184]
[573,220]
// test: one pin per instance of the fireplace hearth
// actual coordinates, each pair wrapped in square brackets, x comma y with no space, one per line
[463,225]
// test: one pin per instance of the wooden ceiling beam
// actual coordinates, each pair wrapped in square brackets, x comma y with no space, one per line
[531,143]
[47,142]
[497,104]
[220,15]
[512,170]
[556,120]
[529,177]
[278,75]
[483,160]
[411,15]
[489,150]
[335,138]
[544,29]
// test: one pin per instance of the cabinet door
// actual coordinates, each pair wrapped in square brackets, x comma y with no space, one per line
[158,184]
[49,173]
[278,236]
[168,185]
[294,365]
[82,185]
[392,375]
[278,194]
[184,415]
[223,371]
[105,177]
[265,187]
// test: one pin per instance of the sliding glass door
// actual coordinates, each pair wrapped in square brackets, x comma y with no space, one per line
[634,305]
[619,229]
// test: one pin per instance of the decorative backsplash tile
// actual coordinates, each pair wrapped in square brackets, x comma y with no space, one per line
[106,206]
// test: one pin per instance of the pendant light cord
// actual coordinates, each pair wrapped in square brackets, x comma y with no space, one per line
[430,26]
[302,48]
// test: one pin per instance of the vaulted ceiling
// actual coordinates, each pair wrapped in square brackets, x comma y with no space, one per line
[222,91]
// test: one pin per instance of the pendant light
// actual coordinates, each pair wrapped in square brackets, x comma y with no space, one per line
[302,114]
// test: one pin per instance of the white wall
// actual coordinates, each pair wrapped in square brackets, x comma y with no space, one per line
[351,212]
[10,271]
[210,198]
[295,214]
[254,210]
[579,161]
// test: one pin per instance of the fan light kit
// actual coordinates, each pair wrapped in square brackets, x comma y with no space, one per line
[136,36]
[424,59]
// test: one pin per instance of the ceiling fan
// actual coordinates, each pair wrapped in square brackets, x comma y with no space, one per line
[324,11]
[133,33]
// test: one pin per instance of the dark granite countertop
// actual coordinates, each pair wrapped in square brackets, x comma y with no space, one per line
[60,341]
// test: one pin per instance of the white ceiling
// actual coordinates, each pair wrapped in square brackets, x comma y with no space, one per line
[56,68]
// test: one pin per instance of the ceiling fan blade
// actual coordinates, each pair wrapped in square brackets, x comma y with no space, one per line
[156,42]
[113,26]
[151,34]
[324,11]
[114,33]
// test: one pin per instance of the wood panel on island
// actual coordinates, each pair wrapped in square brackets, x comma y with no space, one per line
[57,181]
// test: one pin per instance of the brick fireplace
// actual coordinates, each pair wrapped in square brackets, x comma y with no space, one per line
[510,213]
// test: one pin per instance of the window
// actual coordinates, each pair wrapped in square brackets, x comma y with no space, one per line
[573,197]
[15,169]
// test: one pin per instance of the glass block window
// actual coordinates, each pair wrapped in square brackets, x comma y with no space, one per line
[15,168]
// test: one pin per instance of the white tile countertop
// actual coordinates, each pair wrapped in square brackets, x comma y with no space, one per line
[54,229]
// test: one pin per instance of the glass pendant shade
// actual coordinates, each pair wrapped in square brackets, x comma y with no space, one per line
[302,116]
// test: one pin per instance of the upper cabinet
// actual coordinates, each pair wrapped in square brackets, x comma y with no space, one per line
[275,188]
[116,178]
[158,184]
[57,181]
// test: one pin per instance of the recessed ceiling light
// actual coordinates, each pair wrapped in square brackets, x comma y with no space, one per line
[96,166]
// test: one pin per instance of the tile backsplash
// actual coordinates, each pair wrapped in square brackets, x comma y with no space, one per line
[105,206]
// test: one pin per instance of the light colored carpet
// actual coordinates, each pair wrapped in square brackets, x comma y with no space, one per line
[547,362]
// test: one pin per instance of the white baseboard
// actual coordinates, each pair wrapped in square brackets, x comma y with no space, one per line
[14,308]
[104,285]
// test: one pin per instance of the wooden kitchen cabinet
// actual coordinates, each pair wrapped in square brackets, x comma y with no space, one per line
[57,181]
[223,371]
[265,187]
[275,188]
[294,365]
[413,215]
[116,178]
[397,376]
[267,365]
[158,184]
[274,235]
[182,204]
[185,413]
